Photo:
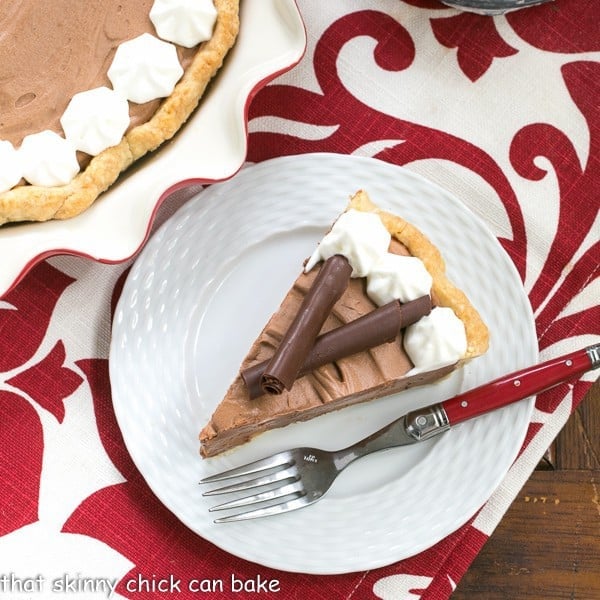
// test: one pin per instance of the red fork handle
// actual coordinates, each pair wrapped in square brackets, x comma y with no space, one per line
[521,384]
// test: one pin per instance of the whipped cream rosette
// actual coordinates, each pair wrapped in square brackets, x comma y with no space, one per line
[145,68]
[96,119]
[184,22]
[48,159]
[360,237]
[437,340]
[395,277]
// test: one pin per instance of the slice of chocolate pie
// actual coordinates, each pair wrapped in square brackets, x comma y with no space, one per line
[394,321]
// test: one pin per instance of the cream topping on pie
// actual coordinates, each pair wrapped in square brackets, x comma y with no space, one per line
[95,119]
[184,22]
[79,43]
[145,68]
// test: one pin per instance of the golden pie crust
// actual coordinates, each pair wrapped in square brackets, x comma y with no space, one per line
[37,203]
[371,374]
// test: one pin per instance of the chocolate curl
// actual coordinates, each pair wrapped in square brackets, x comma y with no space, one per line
[379,326]
[327,288]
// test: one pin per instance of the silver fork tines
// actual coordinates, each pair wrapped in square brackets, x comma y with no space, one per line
[279,484]
[258,466]
[274,485]
[268,511]
[278,493]
[285,475]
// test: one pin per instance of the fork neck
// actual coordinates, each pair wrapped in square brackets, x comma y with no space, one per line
[409,429]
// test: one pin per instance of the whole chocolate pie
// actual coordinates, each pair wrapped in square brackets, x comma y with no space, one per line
[365,318]
[52,52]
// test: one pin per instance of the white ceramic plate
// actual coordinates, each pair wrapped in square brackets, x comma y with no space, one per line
[211,147]
[201,291]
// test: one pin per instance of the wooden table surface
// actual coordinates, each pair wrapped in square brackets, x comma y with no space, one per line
[547,546]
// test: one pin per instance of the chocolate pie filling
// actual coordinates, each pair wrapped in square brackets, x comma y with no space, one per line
[49,51]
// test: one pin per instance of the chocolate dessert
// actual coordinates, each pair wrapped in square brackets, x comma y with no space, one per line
[367,337]
[55,56]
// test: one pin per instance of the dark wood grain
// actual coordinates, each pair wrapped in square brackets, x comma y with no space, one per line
[547,546]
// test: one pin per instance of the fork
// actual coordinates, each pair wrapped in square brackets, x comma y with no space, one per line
[296,478]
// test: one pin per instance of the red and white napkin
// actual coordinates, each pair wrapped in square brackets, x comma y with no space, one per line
[503,112]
